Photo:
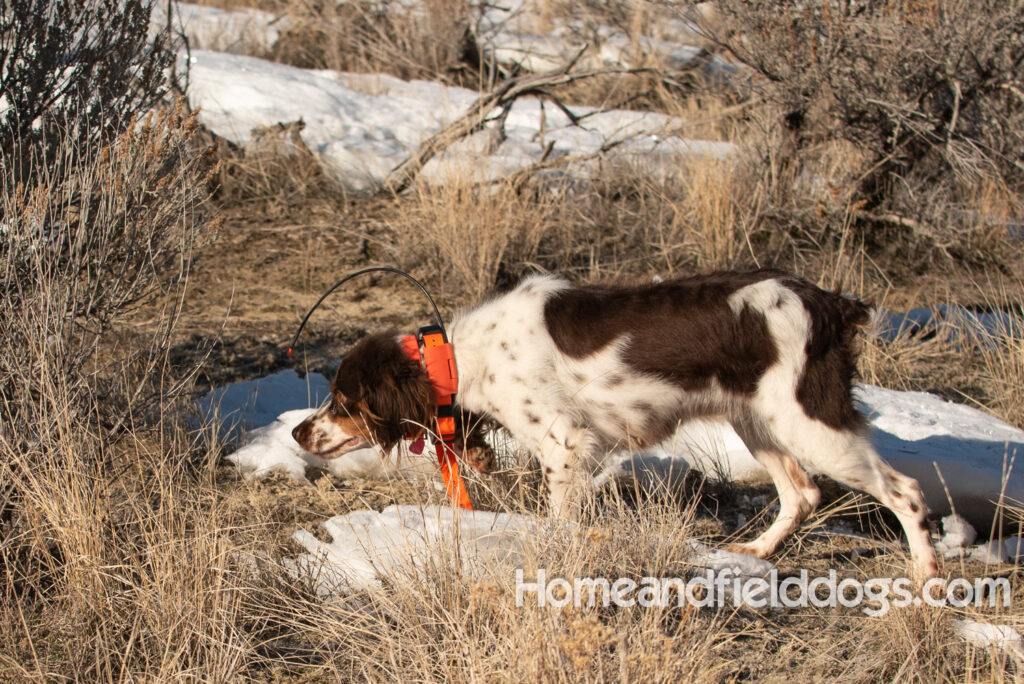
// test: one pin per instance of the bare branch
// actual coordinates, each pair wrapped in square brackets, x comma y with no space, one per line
[475,117]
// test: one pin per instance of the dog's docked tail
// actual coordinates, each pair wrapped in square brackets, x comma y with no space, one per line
[856,315]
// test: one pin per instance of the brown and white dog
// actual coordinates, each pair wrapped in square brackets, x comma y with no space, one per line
[573,372]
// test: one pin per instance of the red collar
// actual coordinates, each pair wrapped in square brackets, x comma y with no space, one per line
[435,355]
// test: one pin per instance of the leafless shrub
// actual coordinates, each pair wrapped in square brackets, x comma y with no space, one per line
[83,237]
[928,92]
[90,434]
[82,66]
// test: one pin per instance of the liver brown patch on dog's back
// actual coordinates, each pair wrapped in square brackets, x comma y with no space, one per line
[683,331]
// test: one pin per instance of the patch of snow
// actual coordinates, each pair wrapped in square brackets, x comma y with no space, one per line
[958,537]
[364,126]
[209,28]
[990,553]
[985,635]
[522,36]
[367,546]
[923,436]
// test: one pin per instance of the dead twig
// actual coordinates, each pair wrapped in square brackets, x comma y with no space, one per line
[476,117]
[520,178]
[917,227]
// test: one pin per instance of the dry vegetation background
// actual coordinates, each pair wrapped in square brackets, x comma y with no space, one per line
[144,261]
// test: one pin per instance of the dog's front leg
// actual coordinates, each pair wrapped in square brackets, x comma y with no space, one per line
[564,452]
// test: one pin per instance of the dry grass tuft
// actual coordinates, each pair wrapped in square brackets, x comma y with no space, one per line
[470,235]
[627,220]
[428,40]
[275,173]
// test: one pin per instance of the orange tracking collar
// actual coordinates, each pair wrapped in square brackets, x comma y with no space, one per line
[434,353]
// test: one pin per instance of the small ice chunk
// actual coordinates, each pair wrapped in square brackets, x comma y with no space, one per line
[958,534]
[990,553]
[985,635]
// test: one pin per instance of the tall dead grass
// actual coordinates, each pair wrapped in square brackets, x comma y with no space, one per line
[428,40]
[136,575]
[470,234]
[626,220]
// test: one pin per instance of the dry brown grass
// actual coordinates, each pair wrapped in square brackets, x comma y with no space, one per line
[627,220]
[469,234]
[428,40]
[146,573]
[136,557]
[275,172]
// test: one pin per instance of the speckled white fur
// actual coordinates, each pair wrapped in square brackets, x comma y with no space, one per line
[564,410]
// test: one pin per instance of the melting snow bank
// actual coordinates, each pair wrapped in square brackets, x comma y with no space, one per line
[523,35]
[945,446]
[362,126]
[367,547]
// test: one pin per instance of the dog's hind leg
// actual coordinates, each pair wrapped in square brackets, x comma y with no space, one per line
[848,457]
[897,492]
[798,497]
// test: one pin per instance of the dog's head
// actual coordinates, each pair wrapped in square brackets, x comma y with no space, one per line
[381,396]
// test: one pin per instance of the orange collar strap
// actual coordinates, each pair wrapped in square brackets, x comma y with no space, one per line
[435,355]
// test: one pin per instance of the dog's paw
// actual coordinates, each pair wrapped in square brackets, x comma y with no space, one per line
[749,549]
[480,459]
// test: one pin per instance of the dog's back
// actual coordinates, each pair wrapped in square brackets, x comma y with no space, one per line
[712,338]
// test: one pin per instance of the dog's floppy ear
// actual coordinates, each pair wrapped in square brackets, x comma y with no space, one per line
[391,390]
[401,403]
